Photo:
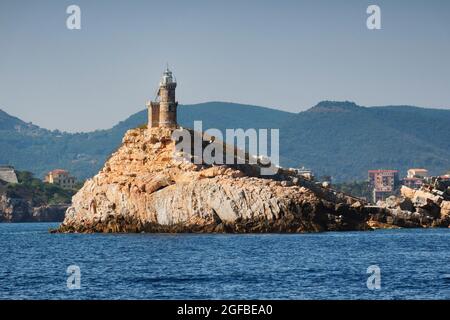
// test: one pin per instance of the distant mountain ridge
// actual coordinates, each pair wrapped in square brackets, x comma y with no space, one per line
[334,106]
[341,139]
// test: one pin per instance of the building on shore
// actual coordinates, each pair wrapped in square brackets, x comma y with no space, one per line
[417,173]
[415,178]
[61,178]
[8,174]
[383,183]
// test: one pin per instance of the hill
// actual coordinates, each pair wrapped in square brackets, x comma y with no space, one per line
[346,143]
[340,139]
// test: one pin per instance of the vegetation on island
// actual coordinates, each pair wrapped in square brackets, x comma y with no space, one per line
[359,189]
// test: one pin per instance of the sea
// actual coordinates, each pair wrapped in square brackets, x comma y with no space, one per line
[377,265]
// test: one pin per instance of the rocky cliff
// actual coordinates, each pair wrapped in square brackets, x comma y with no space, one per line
[20,210]
[144,188]
[28,199]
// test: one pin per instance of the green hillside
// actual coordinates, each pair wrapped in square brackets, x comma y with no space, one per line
[339,139]
[346,143]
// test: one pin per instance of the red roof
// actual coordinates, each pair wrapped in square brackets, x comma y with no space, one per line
[58,172]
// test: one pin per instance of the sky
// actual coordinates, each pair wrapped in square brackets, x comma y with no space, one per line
[282,54]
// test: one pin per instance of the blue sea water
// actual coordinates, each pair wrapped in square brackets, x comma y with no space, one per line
[414,264]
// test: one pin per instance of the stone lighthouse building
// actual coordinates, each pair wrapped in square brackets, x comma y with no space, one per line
[163,111]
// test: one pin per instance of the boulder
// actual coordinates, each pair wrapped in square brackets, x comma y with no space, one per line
[445,210]
[407,192]
[423,198]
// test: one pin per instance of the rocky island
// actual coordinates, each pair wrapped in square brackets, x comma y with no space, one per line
[143,187]
[146,187]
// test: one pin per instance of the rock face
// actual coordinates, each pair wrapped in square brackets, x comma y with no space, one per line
[427,207]
[20,210]
[144,188]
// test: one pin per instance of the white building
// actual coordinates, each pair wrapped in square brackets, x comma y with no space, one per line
[417,173]
[7,174]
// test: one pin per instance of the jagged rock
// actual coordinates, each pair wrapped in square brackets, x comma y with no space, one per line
[445,210]
[407,192]
[391,202]
[406,204]
[415,208]
[394,202]
[144,186]
[422,198]
[381,225]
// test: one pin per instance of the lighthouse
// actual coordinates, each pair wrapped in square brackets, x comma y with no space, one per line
[163,111]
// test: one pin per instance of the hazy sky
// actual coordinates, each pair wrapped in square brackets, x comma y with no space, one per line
[282,54]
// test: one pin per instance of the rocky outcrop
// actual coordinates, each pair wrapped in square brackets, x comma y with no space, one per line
[148,187]
[445,210]
[20,210]
[427,207]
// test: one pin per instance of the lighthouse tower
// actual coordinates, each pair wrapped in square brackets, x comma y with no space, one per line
[163,111]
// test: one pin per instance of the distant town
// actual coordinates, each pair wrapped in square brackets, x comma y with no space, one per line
[384,183]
